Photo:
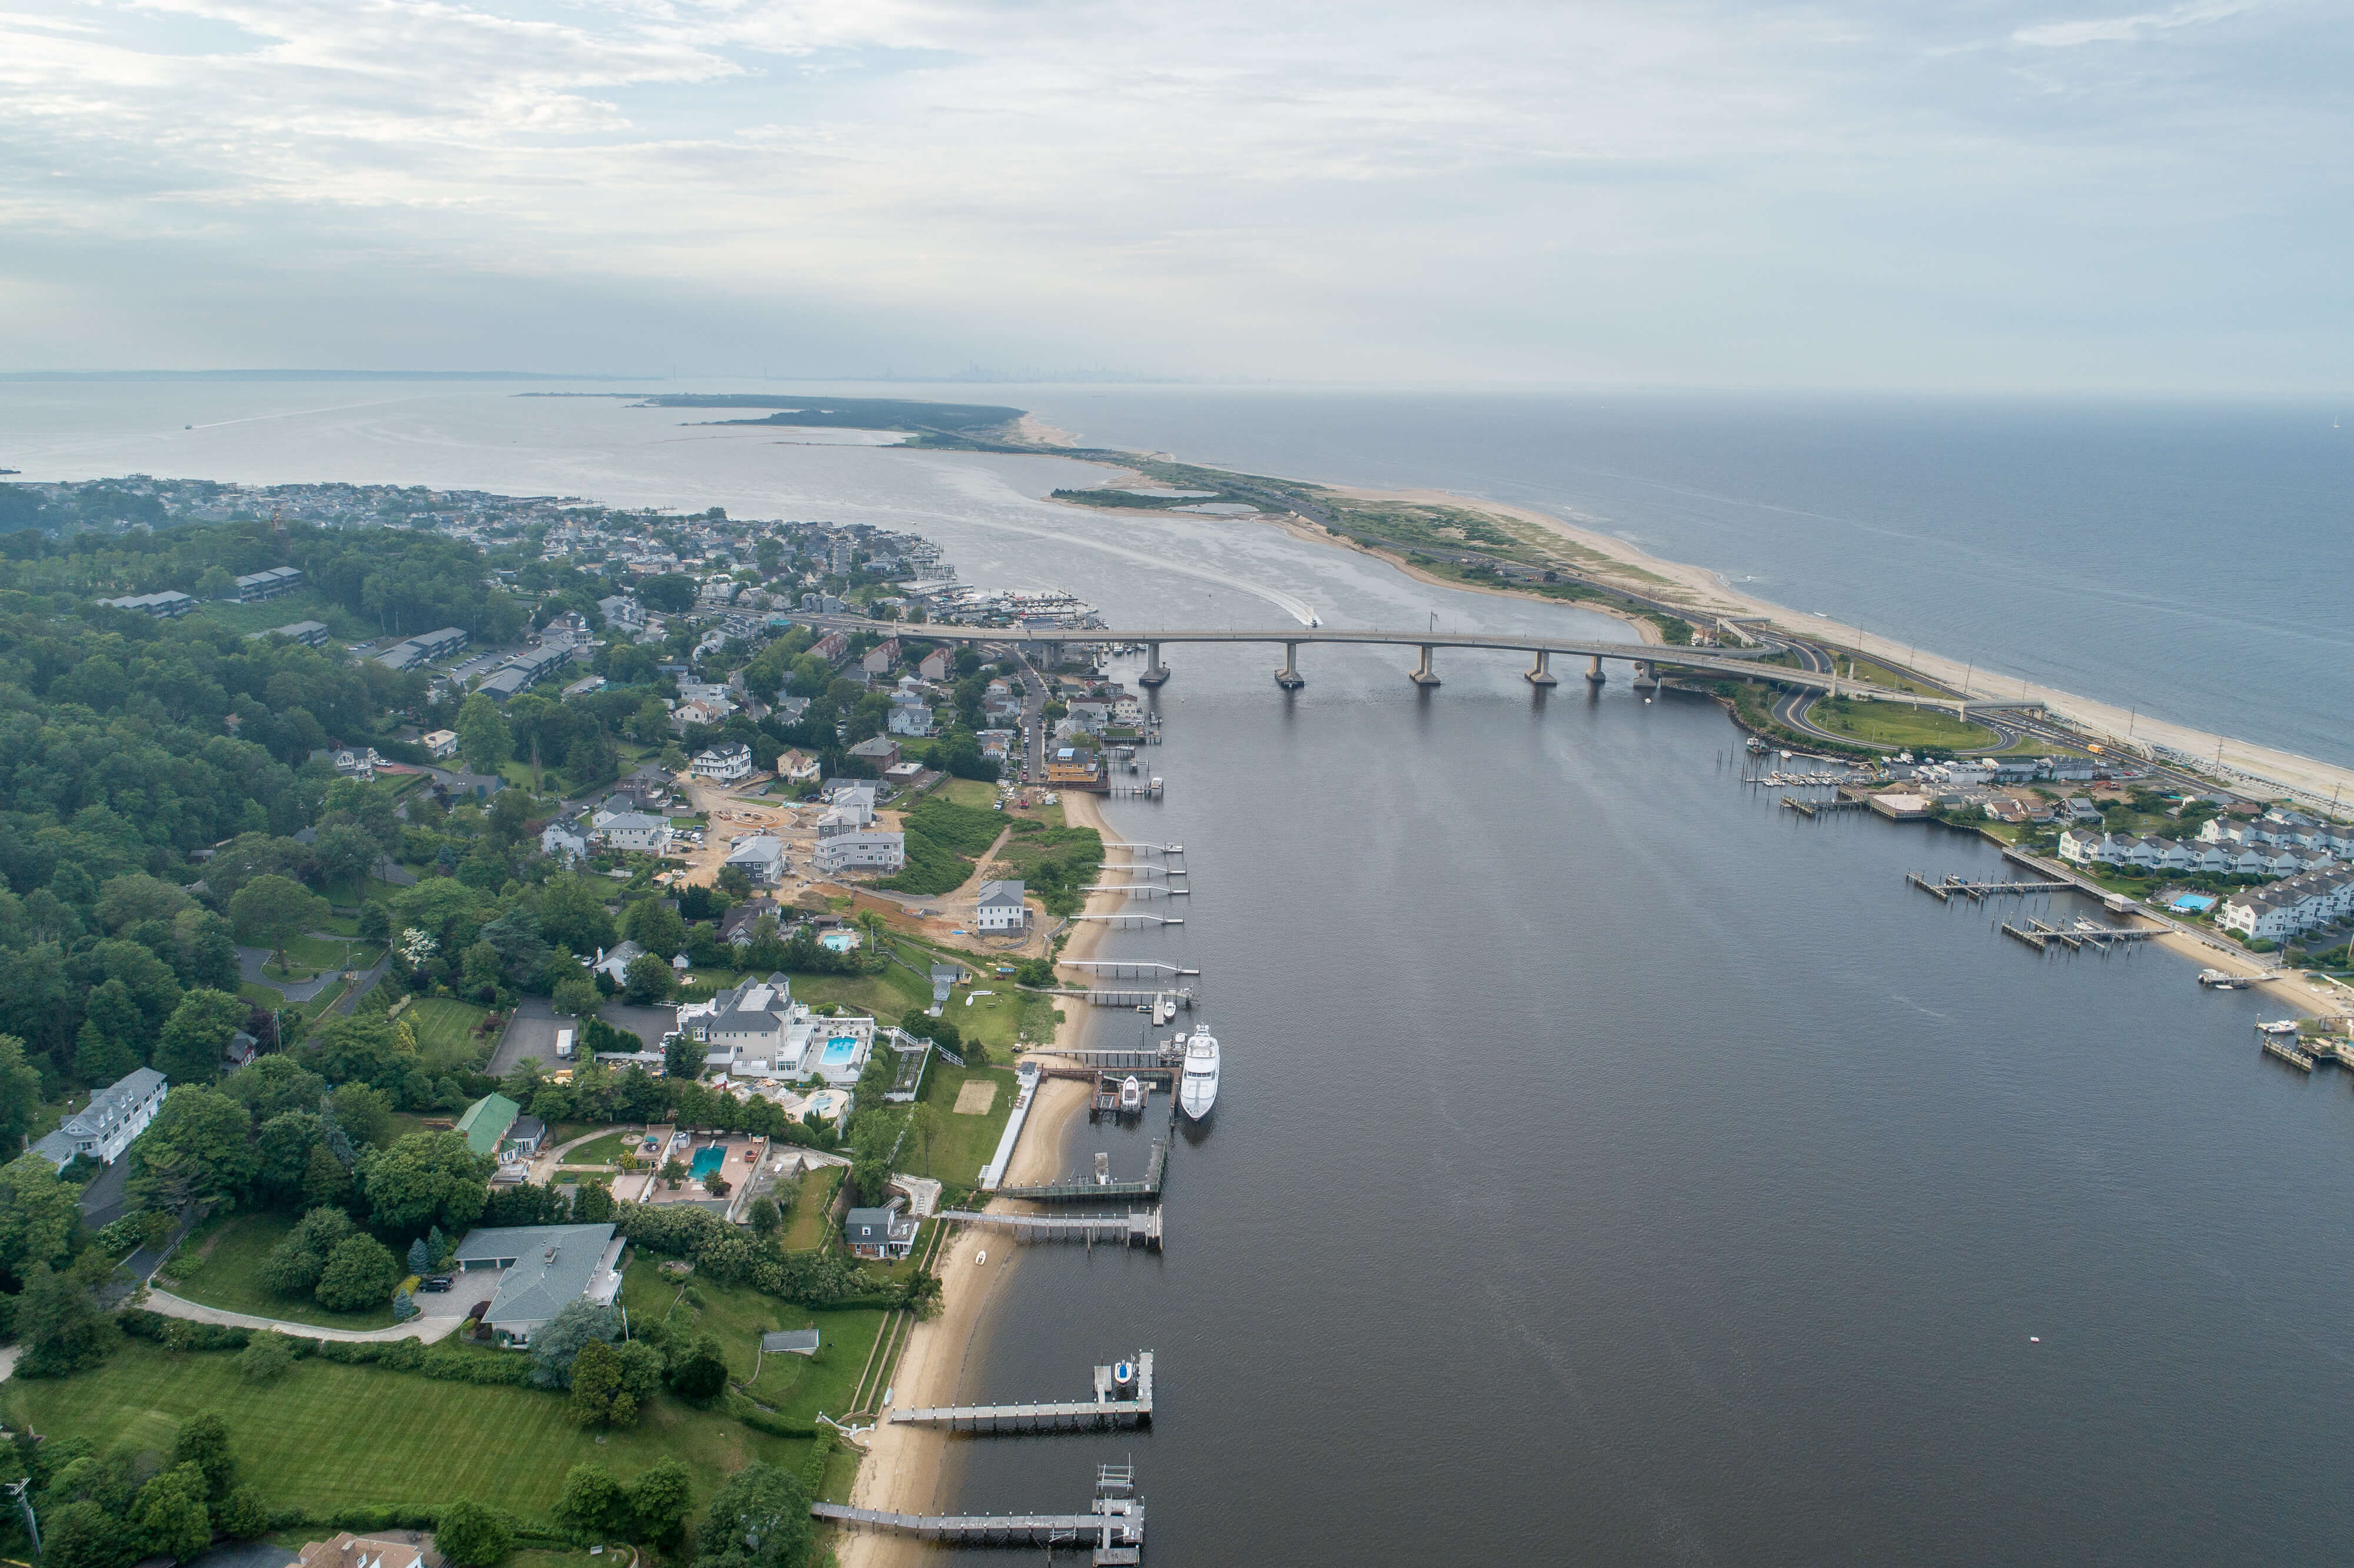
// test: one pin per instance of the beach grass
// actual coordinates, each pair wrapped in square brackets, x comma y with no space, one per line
[325,1435]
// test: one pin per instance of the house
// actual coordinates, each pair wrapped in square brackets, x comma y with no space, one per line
[255,587]
[631,830]
[2081,808]
[487,1122]
[881,657]
[168,606]
[349,1550]
[103,1129]
[423,650]
[797,767]
[1068,765]
[544,1269]
[736,926]
[996,745]
[746,1022]
[241,1049]
[934,666]
[439,744]
[900,775]
[880,750]
[868,850]
[912,719]
[883,1235]
[762,858]
[1001,908]
[524,671]
[789,1343]
[701,710]
[310,634]
[944,977]
[565,839]
[616,963]
[724,763]
[623,611]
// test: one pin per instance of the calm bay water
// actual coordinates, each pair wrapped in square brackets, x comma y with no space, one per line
[1609,1166]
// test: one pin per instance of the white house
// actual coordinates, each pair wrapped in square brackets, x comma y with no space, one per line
[762,858]
[909,719]
[440,744]
[866,850]
[565,838]
[103,1129]
[616,963]
[1001,908]
[633,830]
[724,763]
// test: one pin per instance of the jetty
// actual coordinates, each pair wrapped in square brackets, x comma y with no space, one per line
[1099,1188]
[1123,1398]
[1948,888]
[1113,1524]
[1136,1227]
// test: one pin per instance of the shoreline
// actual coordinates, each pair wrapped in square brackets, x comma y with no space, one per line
[904,1468]
[1709,594]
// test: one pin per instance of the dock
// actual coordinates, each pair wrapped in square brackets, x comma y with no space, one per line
[1162,1057]
[2083,933]
[2285,1050]
[1124,968]
[1818,808]
[1136,1227]
[1098,1189]
[1136,847]
[1134,921]
[1949,887]
[1026,1077]
[1162,1004]
[1118,1404]
[1137,889]
[1113,1525]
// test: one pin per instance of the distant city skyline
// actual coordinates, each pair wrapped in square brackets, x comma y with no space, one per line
[2071,195]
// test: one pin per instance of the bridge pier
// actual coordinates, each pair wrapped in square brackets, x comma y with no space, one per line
[1155,673]
[1594,670]
[1423,676]
[1289,677]
[1541,673]
[1647,677]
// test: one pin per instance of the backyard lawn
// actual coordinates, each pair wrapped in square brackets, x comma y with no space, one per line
[232,1249]
[445,1036]
[604,1150]
[806,1231]
[326,1437]
[963,1143]
[797,1387]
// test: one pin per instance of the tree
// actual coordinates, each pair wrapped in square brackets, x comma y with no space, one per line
[345,854]
[655,927]
[20,1092]
[360,1274]
[647,981]
[244,1514]
[195,1152]
[64,1327]
[39,1213]
[420,1256]
[598,1397]
[473,1536]
[659,1498]
[364,1114]
[266,1354]
[757,1519]
[593,1204]
[700,1375]
[425,1179]
[923,1126]
[572,914]
[672,593]
[194,1045]
[272,1085]
[324,1178]
[203,1441]
[270,911]
[375,922]
[363,1048]
[556,1344]
[170,1519]
[765,1218]
[296,1263]
[593,1505]
[575,995]
[483,737]
[83,1534]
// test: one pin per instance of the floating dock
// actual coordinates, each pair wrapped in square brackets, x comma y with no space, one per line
[1114,1524]
[1123,1398]
[1136,1227]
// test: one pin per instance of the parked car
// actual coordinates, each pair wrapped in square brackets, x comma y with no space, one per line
[435,1283]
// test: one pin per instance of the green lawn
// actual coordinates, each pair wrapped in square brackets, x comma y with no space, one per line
[445,1036]
[887,996]
[308,603]
[603,1151]
[232,1248]
[797,1387]
[325,1435]
[978,793]
[266,995]
[318,953]
[806,1231]
[963,1143]
[1894,723]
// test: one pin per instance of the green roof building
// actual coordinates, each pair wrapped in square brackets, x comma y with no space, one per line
[484,1125]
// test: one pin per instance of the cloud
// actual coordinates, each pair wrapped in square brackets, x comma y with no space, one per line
[1613,190]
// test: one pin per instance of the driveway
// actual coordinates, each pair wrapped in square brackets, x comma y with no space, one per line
[429,1327]
[249,961]
[532,1031]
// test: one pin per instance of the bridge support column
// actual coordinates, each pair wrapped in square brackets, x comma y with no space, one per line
[1155,673]
[1540,673]
[1289,677]
[1423,676]
[1594,670]
[1646,676]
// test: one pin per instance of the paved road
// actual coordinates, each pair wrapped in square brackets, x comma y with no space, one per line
[249,961]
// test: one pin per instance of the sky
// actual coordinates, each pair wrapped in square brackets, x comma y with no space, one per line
[1973,195]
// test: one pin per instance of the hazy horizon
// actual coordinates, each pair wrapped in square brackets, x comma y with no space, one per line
[2077,195]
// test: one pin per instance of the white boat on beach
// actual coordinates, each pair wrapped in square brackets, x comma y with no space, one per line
[1197,1088]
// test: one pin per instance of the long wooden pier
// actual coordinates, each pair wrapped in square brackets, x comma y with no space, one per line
[1137,889]
[1134,921]
[2040,934]
[1136,1227]
[1114,1406]
[1160,1056]
[1114,1523]
[1156,1168]
[1124,968]
[1950,887]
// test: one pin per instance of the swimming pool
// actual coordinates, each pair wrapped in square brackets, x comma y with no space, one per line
[839,941]
[839,1050]
[707,1159]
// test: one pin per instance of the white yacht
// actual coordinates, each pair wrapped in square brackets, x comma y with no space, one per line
[1198,1089]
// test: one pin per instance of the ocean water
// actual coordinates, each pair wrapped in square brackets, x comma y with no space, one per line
[1609,1166]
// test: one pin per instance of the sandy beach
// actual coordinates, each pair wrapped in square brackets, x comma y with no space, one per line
[904,1467]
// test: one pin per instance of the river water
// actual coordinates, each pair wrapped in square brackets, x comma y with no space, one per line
[1609,1165]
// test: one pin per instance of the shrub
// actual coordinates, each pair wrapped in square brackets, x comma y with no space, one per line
[267,1356]
[472,1535]
[297,1263]
[360,1274]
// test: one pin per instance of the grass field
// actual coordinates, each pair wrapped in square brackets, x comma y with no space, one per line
[325,1435]
[1891,723]
[978,793]
[232,1248]
[318,953]
[963,1144]
[797,1387]
[806,1231]
[603,1150]
[445,1036]
[286,610]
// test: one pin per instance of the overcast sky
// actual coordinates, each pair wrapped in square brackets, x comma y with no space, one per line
[1959,194]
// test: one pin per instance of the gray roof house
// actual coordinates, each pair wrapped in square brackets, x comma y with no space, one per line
[103,1129]
[762,857]
[879,1233]
[543,1268]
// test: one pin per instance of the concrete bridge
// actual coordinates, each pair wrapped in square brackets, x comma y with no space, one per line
[1647,658]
